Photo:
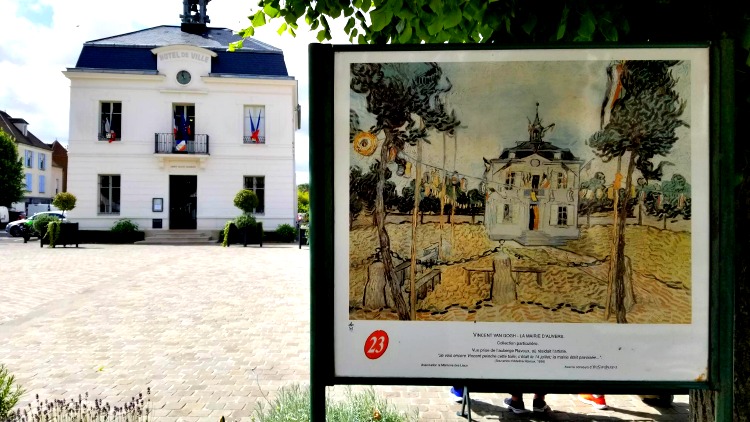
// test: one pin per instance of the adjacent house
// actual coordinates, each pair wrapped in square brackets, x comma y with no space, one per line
[532,191]
[167,125]
[37,162]
[59,168]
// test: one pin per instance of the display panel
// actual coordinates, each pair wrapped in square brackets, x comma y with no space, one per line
[560,227]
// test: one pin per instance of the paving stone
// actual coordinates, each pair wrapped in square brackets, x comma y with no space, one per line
[208,339]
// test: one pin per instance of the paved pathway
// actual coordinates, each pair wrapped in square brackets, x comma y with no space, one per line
[210,330]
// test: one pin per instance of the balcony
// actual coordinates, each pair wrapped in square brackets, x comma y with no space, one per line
[250,140]
[197,144]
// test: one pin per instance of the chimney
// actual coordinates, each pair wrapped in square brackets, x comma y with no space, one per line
[194,17]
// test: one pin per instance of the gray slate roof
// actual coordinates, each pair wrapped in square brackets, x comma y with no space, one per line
[132,52]
[159,36]
[6,124]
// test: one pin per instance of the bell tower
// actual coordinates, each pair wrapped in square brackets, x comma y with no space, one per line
[194,17]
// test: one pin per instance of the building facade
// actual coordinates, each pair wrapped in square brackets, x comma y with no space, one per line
[36,157]
[167,125]
[532,192]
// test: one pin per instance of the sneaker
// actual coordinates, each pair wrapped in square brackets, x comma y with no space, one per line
[458,396]
[595,400]
[515,406]
[540,405]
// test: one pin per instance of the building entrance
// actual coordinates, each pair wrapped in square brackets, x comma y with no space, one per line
[183,202]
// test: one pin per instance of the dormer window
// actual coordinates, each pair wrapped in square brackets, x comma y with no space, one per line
[21,125]
[558,155]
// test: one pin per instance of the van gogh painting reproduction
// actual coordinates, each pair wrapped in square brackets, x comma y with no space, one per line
[508,191]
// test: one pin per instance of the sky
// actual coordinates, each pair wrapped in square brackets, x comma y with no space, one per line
[41,38]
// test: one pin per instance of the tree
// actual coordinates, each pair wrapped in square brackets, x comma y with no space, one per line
[303,198]
[246,200]
[397,95]
[12,186]
[642,126]
[64,201]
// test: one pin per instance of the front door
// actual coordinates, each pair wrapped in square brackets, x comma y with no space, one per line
[183,201]
[533,217]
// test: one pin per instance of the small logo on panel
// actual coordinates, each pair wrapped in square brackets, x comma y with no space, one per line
[376,344]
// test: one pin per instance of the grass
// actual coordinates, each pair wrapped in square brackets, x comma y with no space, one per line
[292,404]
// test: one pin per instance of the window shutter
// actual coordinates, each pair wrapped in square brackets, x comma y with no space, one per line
[28,182]
[572,216]
[553,215]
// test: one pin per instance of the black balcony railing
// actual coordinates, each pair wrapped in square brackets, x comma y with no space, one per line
[250,140]
[165,143]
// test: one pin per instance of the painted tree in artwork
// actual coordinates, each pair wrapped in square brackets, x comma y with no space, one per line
[645,114]
[406,101]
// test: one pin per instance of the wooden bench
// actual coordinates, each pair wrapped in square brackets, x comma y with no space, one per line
[537,271]
[489,273]
[426,283]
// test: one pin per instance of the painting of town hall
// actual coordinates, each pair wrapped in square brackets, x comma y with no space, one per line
[540,191]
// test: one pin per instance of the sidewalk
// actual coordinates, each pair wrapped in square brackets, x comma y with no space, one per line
[210,330]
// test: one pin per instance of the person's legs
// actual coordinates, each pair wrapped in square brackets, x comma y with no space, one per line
[514,403]
[595,400]
[458,393]
[540,405]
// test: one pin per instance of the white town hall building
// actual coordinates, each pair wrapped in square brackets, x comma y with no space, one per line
[167,125]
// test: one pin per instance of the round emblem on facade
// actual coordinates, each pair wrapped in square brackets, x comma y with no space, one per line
[535,162]
[183,77]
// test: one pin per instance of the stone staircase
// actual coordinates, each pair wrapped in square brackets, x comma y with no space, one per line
[180,237]
[537,238]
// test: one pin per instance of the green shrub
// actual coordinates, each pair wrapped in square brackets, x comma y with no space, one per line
[245,221]
[9,395]
[64,201]
[246,200]
[286,233]
[53,232]
[225,233]
[124,226]
[293,404]
[40,223]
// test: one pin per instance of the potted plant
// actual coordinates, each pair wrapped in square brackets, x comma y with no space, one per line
[68,232]
[247,228]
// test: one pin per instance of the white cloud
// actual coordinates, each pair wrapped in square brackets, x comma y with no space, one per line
[33,55]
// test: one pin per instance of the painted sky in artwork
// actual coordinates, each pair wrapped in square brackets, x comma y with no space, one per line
[494,101]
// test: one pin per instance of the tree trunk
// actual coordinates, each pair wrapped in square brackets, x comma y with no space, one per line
[640,212]
[374,297]
[385,241]
[503,286]
[702,405]
[617,264]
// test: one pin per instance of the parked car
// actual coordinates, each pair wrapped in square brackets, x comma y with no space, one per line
[15,228]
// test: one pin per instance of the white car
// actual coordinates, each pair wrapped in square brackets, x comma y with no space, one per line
[15,229]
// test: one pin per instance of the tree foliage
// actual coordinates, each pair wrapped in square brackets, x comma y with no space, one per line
[64,201]
[12,184]
[246,200]
[508,21]
[303,198]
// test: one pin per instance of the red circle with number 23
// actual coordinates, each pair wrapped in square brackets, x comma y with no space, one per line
[376,344]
